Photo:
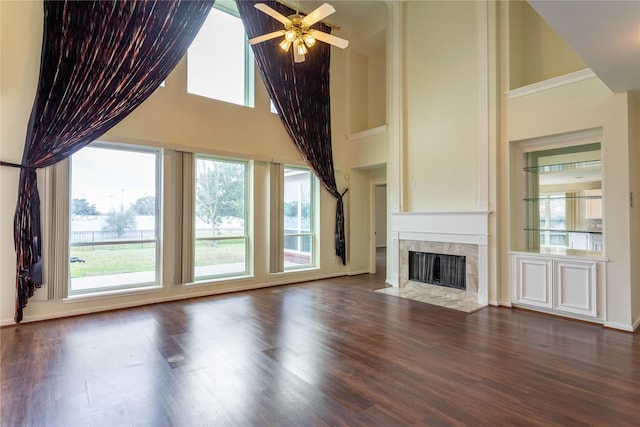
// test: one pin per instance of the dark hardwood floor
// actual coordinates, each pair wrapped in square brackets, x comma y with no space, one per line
[325,353]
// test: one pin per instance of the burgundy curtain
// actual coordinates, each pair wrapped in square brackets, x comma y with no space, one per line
[99,61]
[300,93]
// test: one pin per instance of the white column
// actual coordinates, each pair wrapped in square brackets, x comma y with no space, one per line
[395,121]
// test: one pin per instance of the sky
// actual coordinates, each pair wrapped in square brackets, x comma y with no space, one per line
[111,178]
[221,36]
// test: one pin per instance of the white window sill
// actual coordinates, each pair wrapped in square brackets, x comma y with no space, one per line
[220,280]
[294,271]
[112,294]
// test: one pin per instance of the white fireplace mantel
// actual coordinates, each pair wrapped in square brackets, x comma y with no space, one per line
[450,227]
[446,227]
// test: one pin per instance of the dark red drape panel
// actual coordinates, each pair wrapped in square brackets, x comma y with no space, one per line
[100,60]
[300,93]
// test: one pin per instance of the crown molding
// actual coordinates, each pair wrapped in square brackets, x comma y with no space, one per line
[551,83]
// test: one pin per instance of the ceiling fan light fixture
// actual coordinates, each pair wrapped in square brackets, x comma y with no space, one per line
[285,45]
[309,40]
[302,49]
[297,30]
[290,35]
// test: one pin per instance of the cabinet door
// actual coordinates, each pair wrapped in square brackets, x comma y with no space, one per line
[533,281]
[575,287]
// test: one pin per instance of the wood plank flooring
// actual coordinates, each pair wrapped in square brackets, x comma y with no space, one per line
[325,353]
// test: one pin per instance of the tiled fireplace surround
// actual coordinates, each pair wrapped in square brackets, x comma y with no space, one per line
[453,233]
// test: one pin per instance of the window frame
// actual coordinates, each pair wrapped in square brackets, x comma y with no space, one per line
[191,234]
[158,262]
[313,224]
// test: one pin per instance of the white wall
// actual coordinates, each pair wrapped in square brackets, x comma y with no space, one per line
[441,98]
[359,221]
[20,39]
[358,95]
[536,51]
[169,118]
[377,105]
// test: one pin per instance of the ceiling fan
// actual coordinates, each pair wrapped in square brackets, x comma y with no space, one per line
[296,30]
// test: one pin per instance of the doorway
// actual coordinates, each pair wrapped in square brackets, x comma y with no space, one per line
[378,230]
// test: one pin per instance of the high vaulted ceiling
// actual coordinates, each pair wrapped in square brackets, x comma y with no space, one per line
[348,13]
[354,19]
[605,34]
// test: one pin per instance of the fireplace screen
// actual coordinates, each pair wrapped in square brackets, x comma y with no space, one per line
[438,269]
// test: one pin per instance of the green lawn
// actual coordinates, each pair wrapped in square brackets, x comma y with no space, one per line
[100,260]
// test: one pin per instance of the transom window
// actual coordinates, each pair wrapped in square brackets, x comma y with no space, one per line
[220,61]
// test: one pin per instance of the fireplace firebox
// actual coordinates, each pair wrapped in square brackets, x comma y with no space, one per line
[438,269]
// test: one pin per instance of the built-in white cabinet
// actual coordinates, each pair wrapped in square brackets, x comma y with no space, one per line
[533,278]
[569,286]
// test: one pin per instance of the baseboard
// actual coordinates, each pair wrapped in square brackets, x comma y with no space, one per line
[206,291]
[355,273]
[621,327]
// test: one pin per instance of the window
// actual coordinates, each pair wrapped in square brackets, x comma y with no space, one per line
[220,218]
[114,210]
[553,220]
[219,61]
[299,189]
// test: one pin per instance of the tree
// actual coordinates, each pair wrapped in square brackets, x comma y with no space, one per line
[219,191]
[82,207]
[291,209]
[120,221]
[145,205]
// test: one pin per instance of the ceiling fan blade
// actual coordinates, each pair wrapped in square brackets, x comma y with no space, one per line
[318,14]
[297,56]
[265,37]
[272,13]
[331,39]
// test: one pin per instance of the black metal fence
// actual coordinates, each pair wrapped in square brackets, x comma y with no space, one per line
[99,238]
[87,237]
[83,241]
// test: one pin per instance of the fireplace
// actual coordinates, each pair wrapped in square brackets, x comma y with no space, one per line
[457,251]
[463,235]
[438,269]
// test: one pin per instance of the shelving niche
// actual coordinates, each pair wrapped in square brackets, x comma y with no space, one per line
[557,256]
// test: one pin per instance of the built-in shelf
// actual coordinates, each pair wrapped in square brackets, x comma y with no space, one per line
[585,197]
[581,208]
[555,230]
[367,132]
[561,167]
[558,264]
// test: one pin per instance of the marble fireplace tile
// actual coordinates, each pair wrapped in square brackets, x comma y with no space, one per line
[435,295]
